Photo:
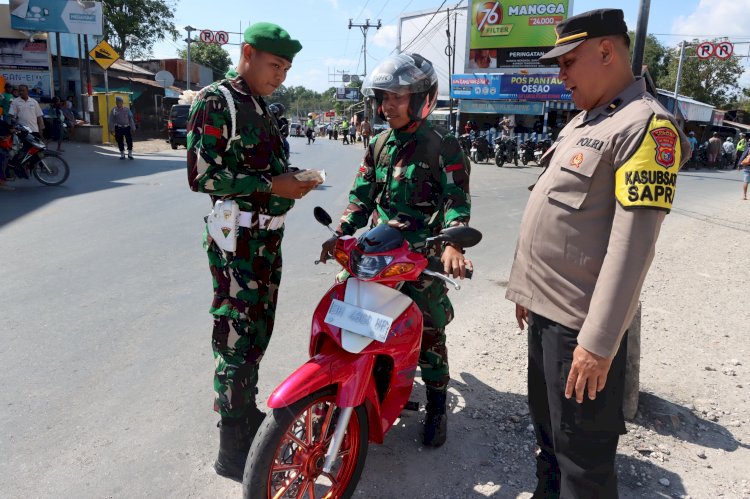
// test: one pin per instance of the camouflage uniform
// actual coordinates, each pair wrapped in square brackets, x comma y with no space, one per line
[245,282]
[416,175]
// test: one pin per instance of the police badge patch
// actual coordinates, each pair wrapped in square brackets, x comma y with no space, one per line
[665,139]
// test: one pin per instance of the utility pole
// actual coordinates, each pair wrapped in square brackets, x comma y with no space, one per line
[639,44]
[364,28]
[188,40]
[450,54]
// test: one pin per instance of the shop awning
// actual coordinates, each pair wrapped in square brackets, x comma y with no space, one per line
[690,109]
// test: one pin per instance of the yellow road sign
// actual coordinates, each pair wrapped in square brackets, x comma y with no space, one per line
[104,54]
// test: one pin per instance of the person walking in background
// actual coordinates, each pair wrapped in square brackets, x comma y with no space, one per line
[27,111]
[366,132]
[714,149]
[741,146]
[728,152]
[744,164]
[345,132]
[57,118]
[7,97]
[122,125]
[586,241]
[352,132]
[693,145]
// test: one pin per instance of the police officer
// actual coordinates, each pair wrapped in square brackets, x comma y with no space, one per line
[586,241]
[415,179]
[235,151]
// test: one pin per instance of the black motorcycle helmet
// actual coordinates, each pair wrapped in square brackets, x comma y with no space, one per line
[403,73]
[277,109]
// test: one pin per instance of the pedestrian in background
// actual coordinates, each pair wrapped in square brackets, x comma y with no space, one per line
[586,241]
[122,125]
[744,164]
[366,132]
[344,132]
[57,118]
[714,149]
[352,132]
[7,97]
[741,145]
[27,111]
[249,168]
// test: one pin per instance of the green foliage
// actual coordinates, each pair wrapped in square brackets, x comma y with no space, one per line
[713,80]
[299,101]
[210,55]
[654,55]
[133,26]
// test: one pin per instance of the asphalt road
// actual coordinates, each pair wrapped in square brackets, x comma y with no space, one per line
[105,337]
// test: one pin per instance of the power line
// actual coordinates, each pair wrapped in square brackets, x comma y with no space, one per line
[425,26]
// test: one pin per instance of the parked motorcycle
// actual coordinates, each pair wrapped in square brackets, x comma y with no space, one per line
[526,151]
[506,151]
[29,156]
[540,148]
[480,149]
[364,347]
[465,142]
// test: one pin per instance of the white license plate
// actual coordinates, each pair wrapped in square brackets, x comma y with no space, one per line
[359,320]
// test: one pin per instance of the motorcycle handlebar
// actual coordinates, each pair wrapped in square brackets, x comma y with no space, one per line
[435,265]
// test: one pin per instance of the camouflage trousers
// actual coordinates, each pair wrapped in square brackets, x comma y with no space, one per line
[431,296]
[246,285]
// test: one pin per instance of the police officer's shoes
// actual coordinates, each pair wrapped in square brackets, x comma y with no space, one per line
[130,155]
[435,421]
[235,438]
[122,155]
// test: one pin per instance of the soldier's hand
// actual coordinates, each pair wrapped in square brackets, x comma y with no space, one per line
[588,374]
[287,186]
[327,248]
[522,316]
[454,263]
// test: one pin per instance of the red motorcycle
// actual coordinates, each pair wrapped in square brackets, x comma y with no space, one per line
[364,347]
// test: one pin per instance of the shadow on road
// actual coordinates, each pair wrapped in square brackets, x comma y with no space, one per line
[92,168]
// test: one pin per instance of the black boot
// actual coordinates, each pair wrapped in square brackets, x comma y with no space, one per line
[235,438]
[435,421]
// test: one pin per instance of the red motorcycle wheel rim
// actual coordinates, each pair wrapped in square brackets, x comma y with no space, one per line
[300,455]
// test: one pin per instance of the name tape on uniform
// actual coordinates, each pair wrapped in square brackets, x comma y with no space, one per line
[649,177]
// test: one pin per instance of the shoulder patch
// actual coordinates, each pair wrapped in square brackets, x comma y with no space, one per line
[648,178]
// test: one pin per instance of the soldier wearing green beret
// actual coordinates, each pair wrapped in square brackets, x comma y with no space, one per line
[235,152]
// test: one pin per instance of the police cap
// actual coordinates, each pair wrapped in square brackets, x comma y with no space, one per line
[272,38]
[577,29]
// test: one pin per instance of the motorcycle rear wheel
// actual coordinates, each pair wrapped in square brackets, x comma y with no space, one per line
[288,452]
[51,170]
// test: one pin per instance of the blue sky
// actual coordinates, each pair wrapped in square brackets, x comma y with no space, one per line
[329,45]
[322,27]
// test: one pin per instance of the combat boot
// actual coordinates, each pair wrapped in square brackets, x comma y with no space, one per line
[436,420]
[235,438]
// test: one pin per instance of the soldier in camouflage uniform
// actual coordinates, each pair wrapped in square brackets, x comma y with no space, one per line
[416,179]
[250,168]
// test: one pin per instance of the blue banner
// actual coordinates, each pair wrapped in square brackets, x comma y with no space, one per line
[513,87]
[62,16]
[500,107]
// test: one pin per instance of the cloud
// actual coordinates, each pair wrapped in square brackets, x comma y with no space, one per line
[714,17]
[334,4]
[386,37]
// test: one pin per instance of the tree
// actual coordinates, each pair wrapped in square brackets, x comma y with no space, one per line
[211,55]
[654,55]
[713,80]
[136,25]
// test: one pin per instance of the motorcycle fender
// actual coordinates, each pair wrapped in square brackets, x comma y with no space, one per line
[351,374]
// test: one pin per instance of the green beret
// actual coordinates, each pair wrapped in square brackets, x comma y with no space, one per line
[274,39]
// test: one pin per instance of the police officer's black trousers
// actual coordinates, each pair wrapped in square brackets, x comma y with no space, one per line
[577,442]
[122,135]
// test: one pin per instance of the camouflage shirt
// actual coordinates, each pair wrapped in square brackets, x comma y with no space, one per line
[416,175]
[243,170]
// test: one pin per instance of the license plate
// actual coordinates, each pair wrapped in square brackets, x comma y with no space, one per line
[359,320]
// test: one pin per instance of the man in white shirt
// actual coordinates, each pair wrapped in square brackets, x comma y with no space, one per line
[27,110]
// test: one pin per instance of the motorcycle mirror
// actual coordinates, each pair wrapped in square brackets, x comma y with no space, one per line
[322,216]
[463,236]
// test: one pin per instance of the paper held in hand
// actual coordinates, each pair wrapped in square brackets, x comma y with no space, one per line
[319,175]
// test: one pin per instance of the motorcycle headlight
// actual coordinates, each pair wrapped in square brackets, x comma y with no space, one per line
[368,266]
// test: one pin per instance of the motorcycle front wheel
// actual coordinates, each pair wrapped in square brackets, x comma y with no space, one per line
[287,456]
[515,159]
[51,170]
[499,160]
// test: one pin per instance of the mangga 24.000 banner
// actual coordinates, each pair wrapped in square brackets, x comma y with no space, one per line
[515,23]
